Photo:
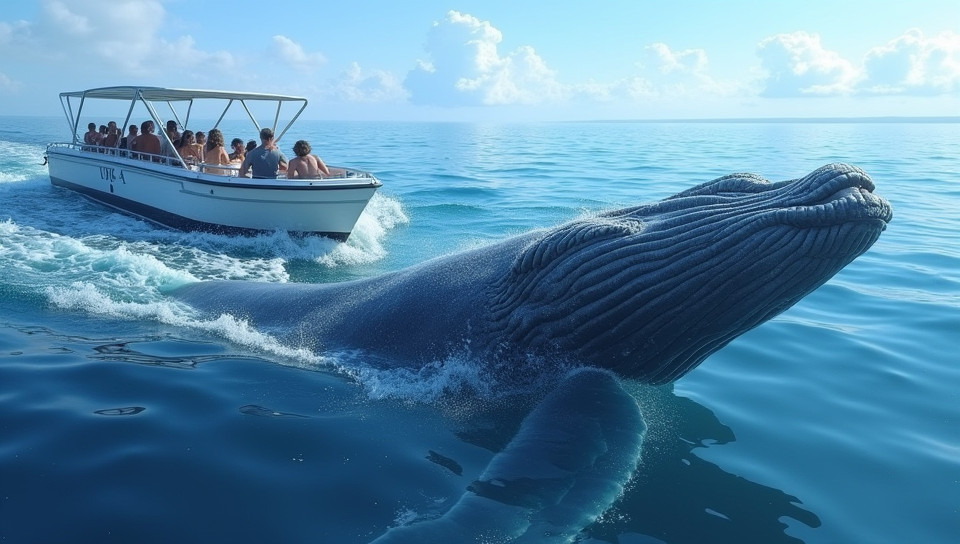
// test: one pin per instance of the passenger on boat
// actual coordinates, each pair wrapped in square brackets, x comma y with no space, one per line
[92,136]
[202,142]
[113,135]
[126,141]
[173,133]
[189,148]
[215,153]
[305,165]
[266,160]
[251,145]
[147,142]
[102,136]
[238,150]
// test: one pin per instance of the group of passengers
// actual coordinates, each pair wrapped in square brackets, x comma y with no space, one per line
[267,161]
[140,139]
[107,136]
[262,161]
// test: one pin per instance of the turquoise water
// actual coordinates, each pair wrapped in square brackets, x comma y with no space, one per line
[125,417]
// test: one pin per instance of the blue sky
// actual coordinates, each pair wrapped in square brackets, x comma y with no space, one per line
[495,60]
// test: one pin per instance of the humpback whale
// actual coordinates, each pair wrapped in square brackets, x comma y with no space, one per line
[643,293]
[648,291]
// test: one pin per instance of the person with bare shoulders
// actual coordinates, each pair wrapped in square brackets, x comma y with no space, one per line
[127,141]
[239,152]
[101,137]
[305,165]
[215,153]
[189,149]
[113,135]
[173,133]
[92,137]
[148,142]
[202,142]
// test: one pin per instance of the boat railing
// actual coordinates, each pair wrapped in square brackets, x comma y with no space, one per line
[226,170]
[121,152]
[233,170]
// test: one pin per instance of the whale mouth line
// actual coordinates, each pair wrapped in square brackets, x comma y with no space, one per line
[848,197]
[847,185]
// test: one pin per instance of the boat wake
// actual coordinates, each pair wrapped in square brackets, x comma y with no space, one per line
[62,250]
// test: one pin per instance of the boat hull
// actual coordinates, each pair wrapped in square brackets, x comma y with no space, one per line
[192,201]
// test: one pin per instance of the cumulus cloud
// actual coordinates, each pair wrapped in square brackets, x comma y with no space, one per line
[13,33]
[797,64]
[293,54]
[7,84]
[122,34]
[662,73]
[355,85]
[465,67]
[684,72]
[914,64]
[123,37]
[687,61]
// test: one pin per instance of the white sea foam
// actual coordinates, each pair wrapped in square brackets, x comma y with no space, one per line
[126,268]
[21,162]
[89,298]
[453,375]
[365,244]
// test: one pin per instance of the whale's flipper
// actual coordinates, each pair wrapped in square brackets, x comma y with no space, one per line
[567,464]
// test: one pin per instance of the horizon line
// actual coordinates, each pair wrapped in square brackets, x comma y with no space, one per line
[828,119]
[823,119]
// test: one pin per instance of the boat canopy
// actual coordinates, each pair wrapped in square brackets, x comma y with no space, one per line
[161,94]
[149,96]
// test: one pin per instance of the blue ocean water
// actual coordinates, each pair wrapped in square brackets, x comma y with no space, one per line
[124,417]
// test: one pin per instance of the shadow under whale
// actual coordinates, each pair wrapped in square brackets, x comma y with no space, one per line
[646,292]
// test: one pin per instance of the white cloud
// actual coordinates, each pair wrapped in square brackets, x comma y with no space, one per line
[7,84]
[14,33]
[914,64]
[686,61]
[122,34]
[685,72]
[465,64]
[798,65]
[75,24]
[293,54]
[103,42]
[466,68]
[663,75]
[354,85]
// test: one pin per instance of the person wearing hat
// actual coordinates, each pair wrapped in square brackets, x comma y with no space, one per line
[266,160]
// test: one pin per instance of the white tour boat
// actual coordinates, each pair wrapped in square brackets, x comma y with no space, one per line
[171,191]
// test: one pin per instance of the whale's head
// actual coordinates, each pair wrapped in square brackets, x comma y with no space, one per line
[651,291]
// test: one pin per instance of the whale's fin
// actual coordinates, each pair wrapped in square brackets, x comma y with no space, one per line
[567,464]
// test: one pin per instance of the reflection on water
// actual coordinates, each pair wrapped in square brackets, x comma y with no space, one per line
[350,466]
[677,497]
[674,495]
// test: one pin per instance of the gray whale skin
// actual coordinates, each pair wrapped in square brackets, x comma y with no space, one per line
[644,293]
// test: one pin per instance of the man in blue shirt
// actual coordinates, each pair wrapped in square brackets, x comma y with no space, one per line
[266,159]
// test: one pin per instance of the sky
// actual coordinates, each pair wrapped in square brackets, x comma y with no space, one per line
[500,60]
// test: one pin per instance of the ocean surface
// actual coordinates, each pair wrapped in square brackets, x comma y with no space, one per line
[125,417]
